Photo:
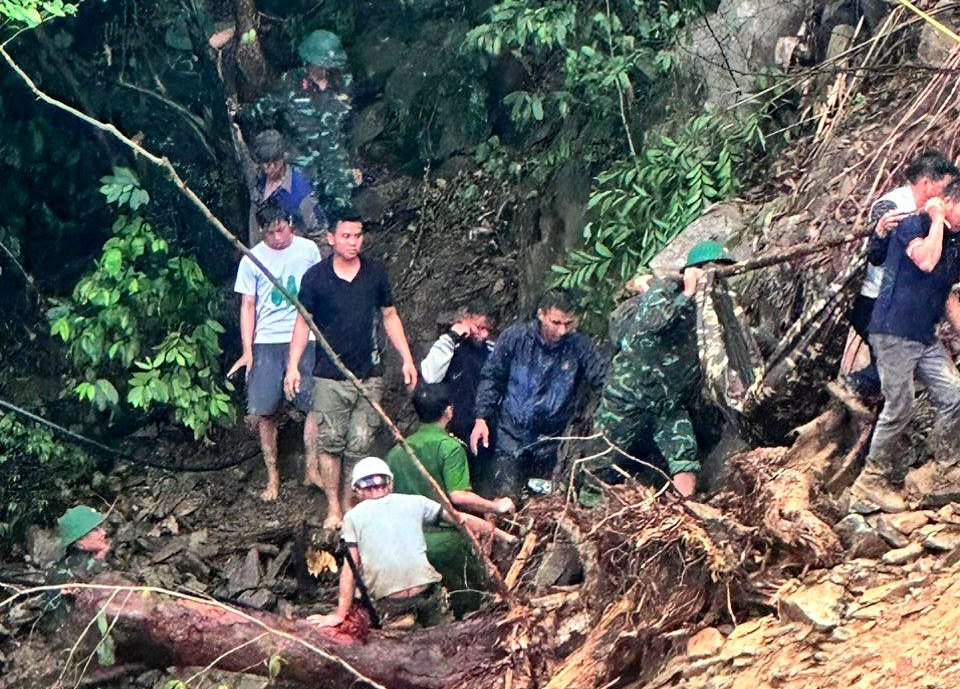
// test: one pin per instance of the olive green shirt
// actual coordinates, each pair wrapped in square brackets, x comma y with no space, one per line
[443,456]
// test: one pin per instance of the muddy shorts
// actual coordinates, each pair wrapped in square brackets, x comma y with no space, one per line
[429,608]
[265,378]
[347,424]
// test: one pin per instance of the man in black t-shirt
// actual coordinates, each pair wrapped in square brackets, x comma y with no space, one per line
[344,294]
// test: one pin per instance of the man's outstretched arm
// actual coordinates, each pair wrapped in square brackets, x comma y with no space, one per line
[398,338]
[298,343]
[345,596]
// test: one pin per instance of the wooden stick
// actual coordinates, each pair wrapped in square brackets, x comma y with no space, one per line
[529,542]
[790,253]
[164,163]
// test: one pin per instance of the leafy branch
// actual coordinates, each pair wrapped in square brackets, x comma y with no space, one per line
[640,204]
[143,321]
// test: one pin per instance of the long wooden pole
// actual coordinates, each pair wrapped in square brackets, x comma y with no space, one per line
[164,163]
[789,253]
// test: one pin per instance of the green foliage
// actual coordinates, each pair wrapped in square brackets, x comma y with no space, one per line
[141,326]
[274,664]
[106,648]
[589,61]
[31,13]
[35,468]
[638,205]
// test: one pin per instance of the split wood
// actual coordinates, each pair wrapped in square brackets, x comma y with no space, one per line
[529,542]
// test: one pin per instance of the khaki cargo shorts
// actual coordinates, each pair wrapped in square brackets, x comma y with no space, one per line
[347,423]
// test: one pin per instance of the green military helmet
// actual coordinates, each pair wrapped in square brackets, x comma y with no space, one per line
[322,48]
[708,251]
[76,523]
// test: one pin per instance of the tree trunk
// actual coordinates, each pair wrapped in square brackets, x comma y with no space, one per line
[163,631]
[251,64]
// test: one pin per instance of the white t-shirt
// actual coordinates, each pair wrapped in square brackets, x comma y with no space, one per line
[903,202]
[388,532]
[276,315]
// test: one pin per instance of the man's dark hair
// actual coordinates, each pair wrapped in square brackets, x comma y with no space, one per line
[267,147]
[343,215]
[559,299]
[952,191]
[270,211]
[476,307]
[932,165]
[430,400]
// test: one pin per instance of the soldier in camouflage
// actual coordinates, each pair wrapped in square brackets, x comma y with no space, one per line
[310,107]
[655,379]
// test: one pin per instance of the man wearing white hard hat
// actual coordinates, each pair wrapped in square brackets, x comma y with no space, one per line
[384,536]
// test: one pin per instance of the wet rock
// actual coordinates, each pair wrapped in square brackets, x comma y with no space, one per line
[929,530]
[561,565]
[172,548]
[43,545]
[907,522]
[746,639]
[705,643]
[246,575]
[738,38]
[943,541]
[842,634]
[859,538]
[934,48]
[885,591]
[276,565]
[948,514]
[933,485]
[700,666]
[902,556]
[261,599]
[888,531]
[820,605]
[284,587]
[841,38]
[369,123]
[871,612]
[718,223]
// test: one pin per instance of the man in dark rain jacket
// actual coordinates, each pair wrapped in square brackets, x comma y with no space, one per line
[529,387]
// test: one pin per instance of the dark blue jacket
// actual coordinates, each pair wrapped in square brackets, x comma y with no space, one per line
[912,301]
[529,387]
[295,196]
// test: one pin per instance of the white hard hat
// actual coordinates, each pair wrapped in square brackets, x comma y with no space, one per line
[369,466]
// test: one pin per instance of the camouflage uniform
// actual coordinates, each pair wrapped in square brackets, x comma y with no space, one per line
[655,379]
[314,122]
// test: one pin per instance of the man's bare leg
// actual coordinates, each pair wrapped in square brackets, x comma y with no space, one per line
[311,474]
[267,429]
[330,478]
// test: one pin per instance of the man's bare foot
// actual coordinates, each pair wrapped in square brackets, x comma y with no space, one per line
[271,492]
[332,522]
[312,478]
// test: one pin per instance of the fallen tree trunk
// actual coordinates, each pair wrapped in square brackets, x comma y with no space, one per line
[648,570]
[163,631]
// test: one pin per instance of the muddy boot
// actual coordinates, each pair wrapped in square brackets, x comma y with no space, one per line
[873,492]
